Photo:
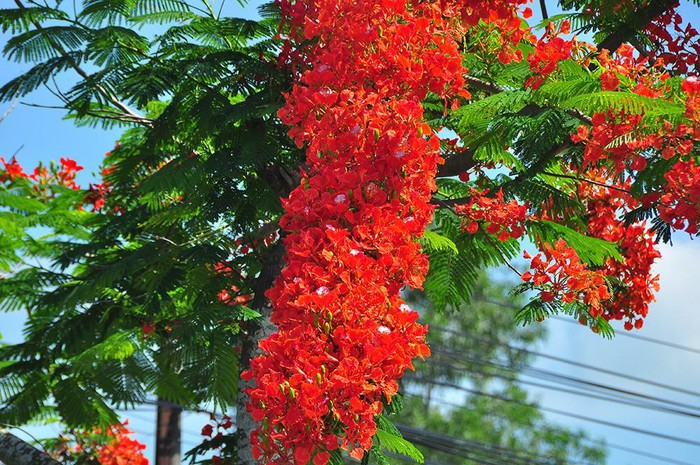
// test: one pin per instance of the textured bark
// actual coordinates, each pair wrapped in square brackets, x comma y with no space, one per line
[253,333]
[14,451]
[168,434]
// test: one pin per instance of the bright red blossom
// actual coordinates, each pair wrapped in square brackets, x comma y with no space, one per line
[344,335]
[504,219]
[549,51]
[122,450]
[558,274]
[637,283]
[675,44]
[12,170]
[680,203]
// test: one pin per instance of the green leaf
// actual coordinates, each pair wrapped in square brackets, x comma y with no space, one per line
[434,241]
[115,347]
[247,314]
[591,250]
[626,101]
[397,444]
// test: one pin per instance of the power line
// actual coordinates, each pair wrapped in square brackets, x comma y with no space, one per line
[612,394]
[619,333]
[571,414]
[569,361]
[462,447]
[652,340]
[647,454]
[607,444]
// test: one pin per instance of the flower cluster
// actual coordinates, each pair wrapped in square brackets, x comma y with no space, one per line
[549,50]
[691,87]
[59,175]
[213,432]
[98,192]
[680,203]
[231,295]
[112,446]
[678,48]
[344,334]
[613,138]
[620,141]
[500,30]
[504,219]
[636,73]
[122,449]
[12,170]
[629,279]
[558,273]
[634,282]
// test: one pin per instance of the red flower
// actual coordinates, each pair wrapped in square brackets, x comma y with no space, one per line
[122,450]
[344,335]
[503,219]
[13,170]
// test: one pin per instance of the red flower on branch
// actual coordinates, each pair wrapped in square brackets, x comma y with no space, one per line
[344,335]
[12,170]
[504,219]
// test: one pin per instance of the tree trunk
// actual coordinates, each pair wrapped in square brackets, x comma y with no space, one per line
[14,451]
[168,434]
[253,333]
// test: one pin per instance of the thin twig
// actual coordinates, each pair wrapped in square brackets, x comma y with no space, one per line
[36,105]
[17,151]
[9,110]
[500,252]
[589,181]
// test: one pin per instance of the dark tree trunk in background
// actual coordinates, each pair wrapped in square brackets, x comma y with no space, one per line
[168,434]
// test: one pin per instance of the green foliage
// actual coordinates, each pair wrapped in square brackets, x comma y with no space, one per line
[394,442]
[127,301]
[591,250]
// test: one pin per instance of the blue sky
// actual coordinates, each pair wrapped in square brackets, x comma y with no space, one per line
[42,134]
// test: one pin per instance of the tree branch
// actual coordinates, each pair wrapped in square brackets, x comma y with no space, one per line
[14,451]
[253,333]
[449,203]
[488,87]
[588,181]
[456,164]
[9,110]
[638,20]
[543,7]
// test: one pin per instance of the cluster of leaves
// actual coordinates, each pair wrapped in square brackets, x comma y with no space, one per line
[127,300]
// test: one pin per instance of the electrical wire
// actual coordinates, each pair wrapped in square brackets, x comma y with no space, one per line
[568,361]
[627,334]
[652,340]
[464,447]
[607,444]
[571,414]
[612,394]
